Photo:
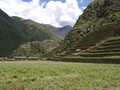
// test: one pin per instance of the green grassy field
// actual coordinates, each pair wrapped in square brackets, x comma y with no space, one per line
[44,75]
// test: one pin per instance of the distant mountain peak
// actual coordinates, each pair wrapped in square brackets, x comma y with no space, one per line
[68,26]
[60,31]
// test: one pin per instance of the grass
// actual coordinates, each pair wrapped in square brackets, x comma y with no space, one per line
[44,75]
[114,38]
[107,50]
[109,46]
[107,58]
[111,43]
[100,54]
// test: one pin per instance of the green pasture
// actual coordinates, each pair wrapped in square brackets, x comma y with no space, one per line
[46,75]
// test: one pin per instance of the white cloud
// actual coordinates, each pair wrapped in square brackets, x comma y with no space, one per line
[55,13]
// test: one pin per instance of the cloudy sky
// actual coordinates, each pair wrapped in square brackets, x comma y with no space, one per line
[55,12]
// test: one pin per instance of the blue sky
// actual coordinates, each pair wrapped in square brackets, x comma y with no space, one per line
[84,3]
[58,13]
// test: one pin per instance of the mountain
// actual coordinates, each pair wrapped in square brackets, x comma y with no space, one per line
[29,27]
[35,31]
[61,32]
[35,48]
[100,46]
[101,16]
[10,35]
[15,31]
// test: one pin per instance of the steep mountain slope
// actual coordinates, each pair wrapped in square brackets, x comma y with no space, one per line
[10,35]
[98,14]
[35,31]
[15,31]
[61,32]
[105,52]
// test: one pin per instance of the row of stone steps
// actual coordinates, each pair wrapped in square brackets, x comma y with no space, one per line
[110,60]
[100,46]
[104,49]
[107,52]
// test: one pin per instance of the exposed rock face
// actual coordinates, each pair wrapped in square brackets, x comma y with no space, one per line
[97,14]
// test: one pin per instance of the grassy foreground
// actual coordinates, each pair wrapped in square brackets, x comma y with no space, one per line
[44,75]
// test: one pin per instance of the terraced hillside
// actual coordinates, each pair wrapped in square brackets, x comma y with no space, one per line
[106,52]
[36,48]
[111,48]
[102,45]
[98,14]
[98,36]
[95,36]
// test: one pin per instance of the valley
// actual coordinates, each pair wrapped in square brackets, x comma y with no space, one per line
[16,31]
[83,56]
